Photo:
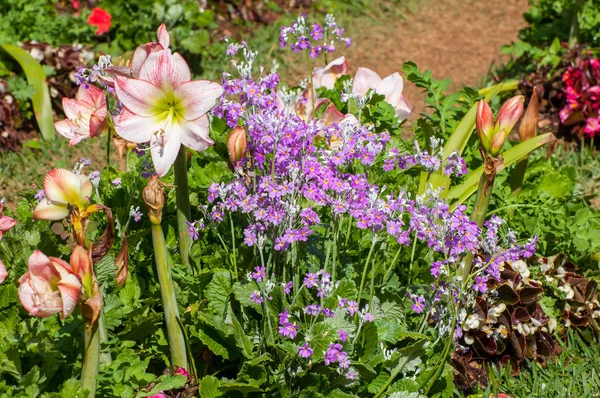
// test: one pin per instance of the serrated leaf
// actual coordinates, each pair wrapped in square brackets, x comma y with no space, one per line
[209,387]
[217,292]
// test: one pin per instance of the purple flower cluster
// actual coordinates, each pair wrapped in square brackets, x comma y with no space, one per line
[454,165]
[286,328]
[307,37]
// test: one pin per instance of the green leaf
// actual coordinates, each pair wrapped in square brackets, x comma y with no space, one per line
[42,106]
[209,387]
[165,383]
[467,188]
[218,290]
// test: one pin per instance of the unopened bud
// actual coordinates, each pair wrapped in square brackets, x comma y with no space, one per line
[236,145]
[509,114]
[154,196]
[528,127]
[485,124]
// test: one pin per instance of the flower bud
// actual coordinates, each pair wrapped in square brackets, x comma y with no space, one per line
[236,145]
[509,114]
[528,127]
[154,196]
[485,124]
[497,142]
[49,287]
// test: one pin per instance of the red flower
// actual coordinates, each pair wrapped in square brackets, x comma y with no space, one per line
[101,19]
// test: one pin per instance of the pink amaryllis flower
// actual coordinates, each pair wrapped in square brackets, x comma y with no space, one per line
[86,115]
[327,76]
[390,87]
[6,222]
[165,107]
[49,287]
[62,189]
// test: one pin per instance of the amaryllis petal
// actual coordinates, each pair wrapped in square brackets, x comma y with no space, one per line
[197,97]
[98,122]
[91,95]
[70,292]
[48,210]
[164,70]
[75,110]
[141,55]
[6,223]
[364,80]
[139,96]
[63,186]
[135,128]
[40,265]
[164,150]
[163,36]
[82,266]
[67,130]
[326,77]
[40,305]
[3,272]
[195,134]
[391,88]
[403,108]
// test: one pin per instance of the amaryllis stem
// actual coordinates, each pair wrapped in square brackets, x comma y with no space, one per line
[183,205]
[167,290]
[482,201]
[516,182]
[105,356]
[91,359]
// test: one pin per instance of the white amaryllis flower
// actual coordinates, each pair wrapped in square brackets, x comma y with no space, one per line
[165,107]
[62,188]
[327,76]
[86,115]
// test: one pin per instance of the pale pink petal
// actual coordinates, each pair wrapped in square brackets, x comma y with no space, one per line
[62,186]
[76,110]
[135,128]
[41,266]
[364,80]
[70,291]
[98,122]
[164,154]
[195,134]
[92,96]
[6,223]
[86,187]
[141,55]
[139,96]
[331,115]
[165,70]
[67,130]
[391,88]
[327,76]
[48,210]
[403,109]
[62,267]
[40,304]
[163,36]
[198,97]
[3,272]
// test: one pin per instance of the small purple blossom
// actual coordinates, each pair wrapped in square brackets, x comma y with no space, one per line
[39,195]
[418,304]
[256,298]
[288,330]
[259,273]
[305,351]
[342,335]
[480,284]
[117,182]
[352,307]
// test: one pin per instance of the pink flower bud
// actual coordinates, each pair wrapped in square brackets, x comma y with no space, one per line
[236,145]
[49,287]
[510,113]
[485,124]
[497,142]
[529,124]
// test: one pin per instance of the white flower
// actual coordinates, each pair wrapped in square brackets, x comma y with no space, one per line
[521,267]
[469,339]
[472,322]
[568,290]
[502,331]
[497,310]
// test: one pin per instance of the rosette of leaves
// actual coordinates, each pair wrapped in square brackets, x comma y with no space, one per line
[505,325]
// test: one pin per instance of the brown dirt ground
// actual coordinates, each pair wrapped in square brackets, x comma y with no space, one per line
[459,39]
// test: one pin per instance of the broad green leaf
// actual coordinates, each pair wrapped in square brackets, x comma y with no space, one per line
[209,387]
[42,106]
[218,290]
[165,383]
[466,189]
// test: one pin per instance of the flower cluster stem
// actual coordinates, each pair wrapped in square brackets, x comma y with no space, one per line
[364,274]
[167,291]
[91,359]
[183,205]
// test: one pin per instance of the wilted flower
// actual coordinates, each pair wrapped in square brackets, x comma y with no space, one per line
[86,115]
[49,287]
[390,87]
[63,188]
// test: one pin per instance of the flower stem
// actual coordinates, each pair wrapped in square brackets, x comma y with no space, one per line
[91,359]
[233,248]
[364,274]
[108,149]
[183,205]
[167,291]
[482,201]
[516,182]
[106,358]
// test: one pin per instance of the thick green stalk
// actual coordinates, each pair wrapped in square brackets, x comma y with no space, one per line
[167,291]
[574,31]
[516,182]
[482,201]
[183,205]
[91,359]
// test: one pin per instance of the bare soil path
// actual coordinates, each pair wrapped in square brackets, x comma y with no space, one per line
[453,38]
